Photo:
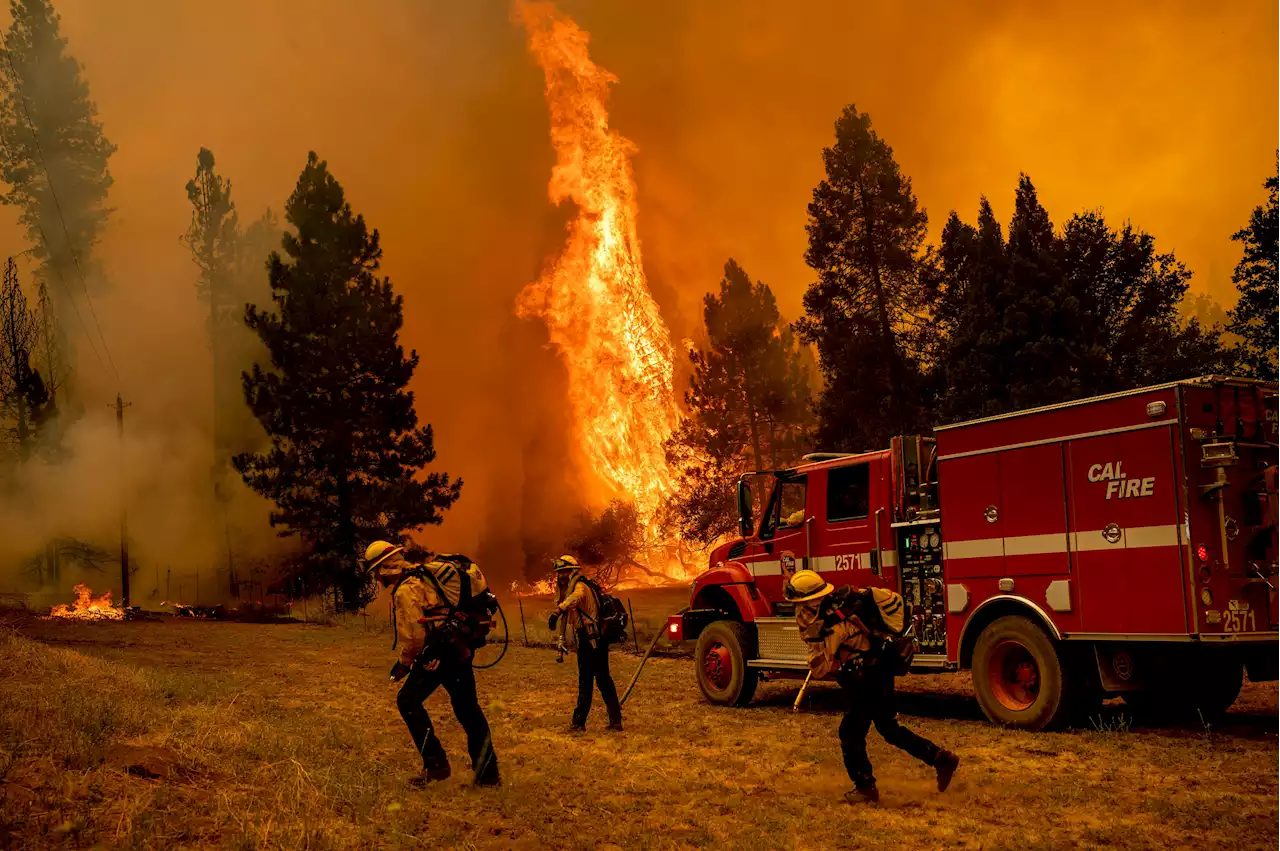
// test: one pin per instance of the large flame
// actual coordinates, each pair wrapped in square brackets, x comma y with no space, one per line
[88,607]
[594,299]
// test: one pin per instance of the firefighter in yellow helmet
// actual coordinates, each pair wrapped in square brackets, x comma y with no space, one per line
[845,631]
[579,607]
[432,656]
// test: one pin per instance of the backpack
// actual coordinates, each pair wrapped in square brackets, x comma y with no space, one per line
[612,621]
[475,609]
[889,621]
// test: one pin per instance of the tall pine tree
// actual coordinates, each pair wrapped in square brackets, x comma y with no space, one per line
[232,272]
[1255,316]
[1132,297]
[864,313]
[346,449]
[748,405]
[53,160]
[1044,318]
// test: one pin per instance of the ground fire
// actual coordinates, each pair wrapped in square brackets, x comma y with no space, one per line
[88,607]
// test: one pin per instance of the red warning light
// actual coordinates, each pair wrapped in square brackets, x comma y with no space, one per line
[1202,553]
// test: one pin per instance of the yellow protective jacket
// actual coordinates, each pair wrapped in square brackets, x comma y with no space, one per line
[414,597]
[830,647]
[419,596]
[579,606]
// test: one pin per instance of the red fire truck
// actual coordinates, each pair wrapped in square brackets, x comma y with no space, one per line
[1118,545]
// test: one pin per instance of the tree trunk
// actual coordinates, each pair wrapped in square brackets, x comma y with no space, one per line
[752,425]
[882,311]
[346,538]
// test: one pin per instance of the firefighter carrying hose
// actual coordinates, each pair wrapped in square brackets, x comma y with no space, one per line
[435,650]
[579,607]
[834,624]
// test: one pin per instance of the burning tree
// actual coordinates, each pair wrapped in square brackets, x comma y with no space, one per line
[594,298]
[346,450]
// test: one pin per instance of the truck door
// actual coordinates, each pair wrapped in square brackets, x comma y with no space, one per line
[783,535]
[1127,544]
[852,541]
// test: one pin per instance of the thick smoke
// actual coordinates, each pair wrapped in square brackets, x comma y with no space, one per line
[432,117]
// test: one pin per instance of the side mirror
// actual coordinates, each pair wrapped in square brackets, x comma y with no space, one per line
[746,523]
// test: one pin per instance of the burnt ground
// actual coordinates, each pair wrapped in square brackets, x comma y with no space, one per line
[183,733]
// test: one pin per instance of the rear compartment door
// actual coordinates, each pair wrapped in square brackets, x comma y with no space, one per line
[972,521]
[1127,544]
[1033,494]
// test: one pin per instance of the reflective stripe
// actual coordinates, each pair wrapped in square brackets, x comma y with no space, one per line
[1133,538]
[1032,545]
[823,564]
[981,548]
[766,568]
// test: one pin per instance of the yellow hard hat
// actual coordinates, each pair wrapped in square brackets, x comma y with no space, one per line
[566,562]
[380,551]
[806,585]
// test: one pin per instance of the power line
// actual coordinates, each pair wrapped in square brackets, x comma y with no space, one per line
[35,138]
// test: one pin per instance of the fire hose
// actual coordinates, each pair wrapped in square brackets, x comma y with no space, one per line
[647,654]
[505,642]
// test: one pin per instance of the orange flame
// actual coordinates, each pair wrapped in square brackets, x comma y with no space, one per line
[595,300]
[87,607]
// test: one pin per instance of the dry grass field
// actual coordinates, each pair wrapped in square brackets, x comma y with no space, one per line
[188,734]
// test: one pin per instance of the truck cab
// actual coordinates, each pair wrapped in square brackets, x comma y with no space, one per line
[1117,545]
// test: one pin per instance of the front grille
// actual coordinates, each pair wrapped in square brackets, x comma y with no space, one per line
[780,639]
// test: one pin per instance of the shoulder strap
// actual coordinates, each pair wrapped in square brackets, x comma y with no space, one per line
[595,591]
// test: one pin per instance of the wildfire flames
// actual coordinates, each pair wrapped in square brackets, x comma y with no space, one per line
[594,299]
[88,607]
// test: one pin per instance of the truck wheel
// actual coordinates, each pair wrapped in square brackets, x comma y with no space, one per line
[1018,676]
[721,659]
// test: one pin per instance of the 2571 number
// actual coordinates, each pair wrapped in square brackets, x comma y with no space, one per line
[1238,621]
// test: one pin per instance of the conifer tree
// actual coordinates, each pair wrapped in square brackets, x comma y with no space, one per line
[866,238]
[53,160]
[347,454]
[1256,316]
[748,405]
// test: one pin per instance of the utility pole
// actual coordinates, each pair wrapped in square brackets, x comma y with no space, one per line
[124,517]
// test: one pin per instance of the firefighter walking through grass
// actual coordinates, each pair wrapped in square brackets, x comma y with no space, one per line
[834,625]
[435,651]
[579,608]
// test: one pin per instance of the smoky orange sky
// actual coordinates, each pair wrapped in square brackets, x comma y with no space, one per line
[431,115]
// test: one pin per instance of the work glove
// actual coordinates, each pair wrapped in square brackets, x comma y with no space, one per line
[553,620]
[398,672]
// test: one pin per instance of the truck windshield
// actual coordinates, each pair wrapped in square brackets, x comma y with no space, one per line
[786,509]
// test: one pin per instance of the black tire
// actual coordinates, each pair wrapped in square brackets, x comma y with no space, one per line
[721,662]
[1019,677]
[1203,693]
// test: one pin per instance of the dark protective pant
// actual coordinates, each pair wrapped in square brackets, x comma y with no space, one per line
[593,669]
[459,680]
[871,701]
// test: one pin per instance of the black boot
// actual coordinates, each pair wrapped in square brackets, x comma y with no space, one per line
[863,795]
[945,765]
